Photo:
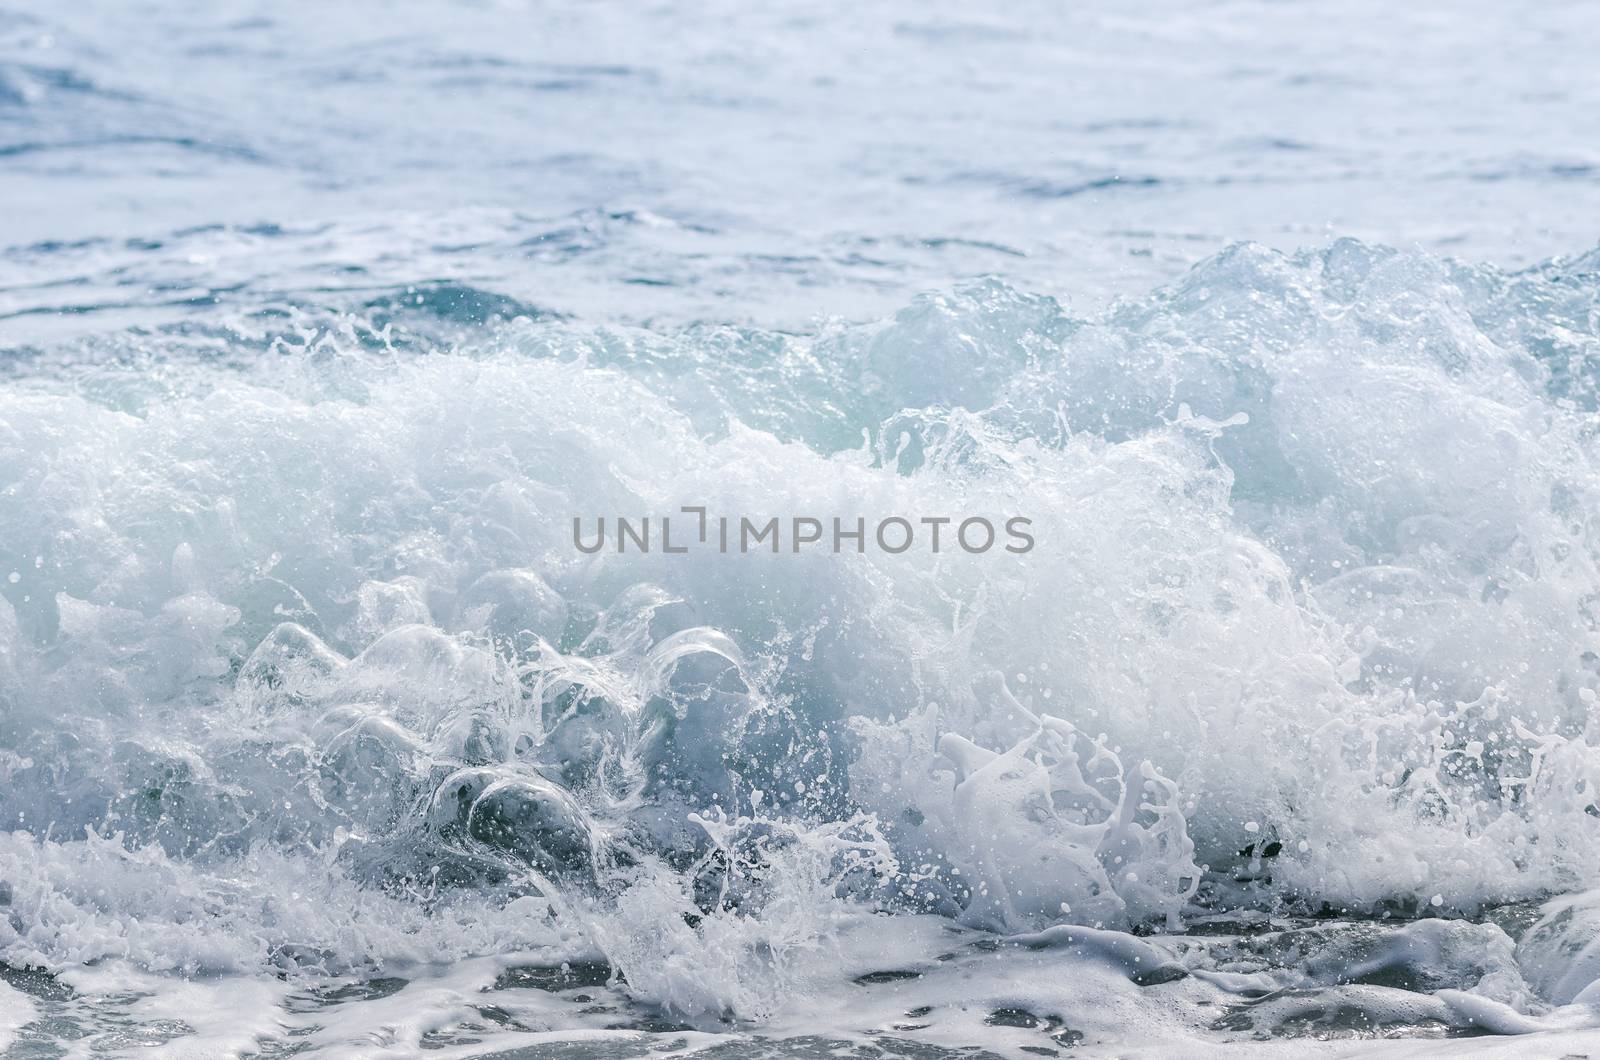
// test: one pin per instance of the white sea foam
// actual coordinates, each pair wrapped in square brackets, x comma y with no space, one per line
[301,670]
[15,1011]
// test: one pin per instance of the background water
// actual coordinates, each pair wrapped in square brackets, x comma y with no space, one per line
[766,166]
[318,324]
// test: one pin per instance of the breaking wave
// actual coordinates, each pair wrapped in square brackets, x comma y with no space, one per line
[300,670]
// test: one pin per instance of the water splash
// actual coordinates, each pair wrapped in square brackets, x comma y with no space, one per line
[1310,624]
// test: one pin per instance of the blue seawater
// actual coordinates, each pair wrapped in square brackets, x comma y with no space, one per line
[320,325]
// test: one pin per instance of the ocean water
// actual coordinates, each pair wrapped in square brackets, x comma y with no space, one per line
[320,325]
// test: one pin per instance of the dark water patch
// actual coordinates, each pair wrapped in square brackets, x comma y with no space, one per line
[1013,1017]
[1515,918]
[892,976]
[941,242]
[800,1047]
[500,1018]
[1167,973]
[1030,187]
[17,79]
[454,303]
[610,1049]
[36,983]
[556,978]
[1230,925]
[1022,1019]
[314,998]
[437,1040]
[651,1025]
[232,152]
[1045,189]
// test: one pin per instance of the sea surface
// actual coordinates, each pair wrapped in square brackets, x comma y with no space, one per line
[321,324]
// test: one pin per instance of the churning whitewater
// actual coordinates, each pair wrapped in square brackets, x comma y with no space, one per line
[303,679]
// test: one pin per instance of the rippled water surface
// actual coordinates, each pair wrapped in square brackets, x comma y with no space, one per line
[319,324]
[739,164]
